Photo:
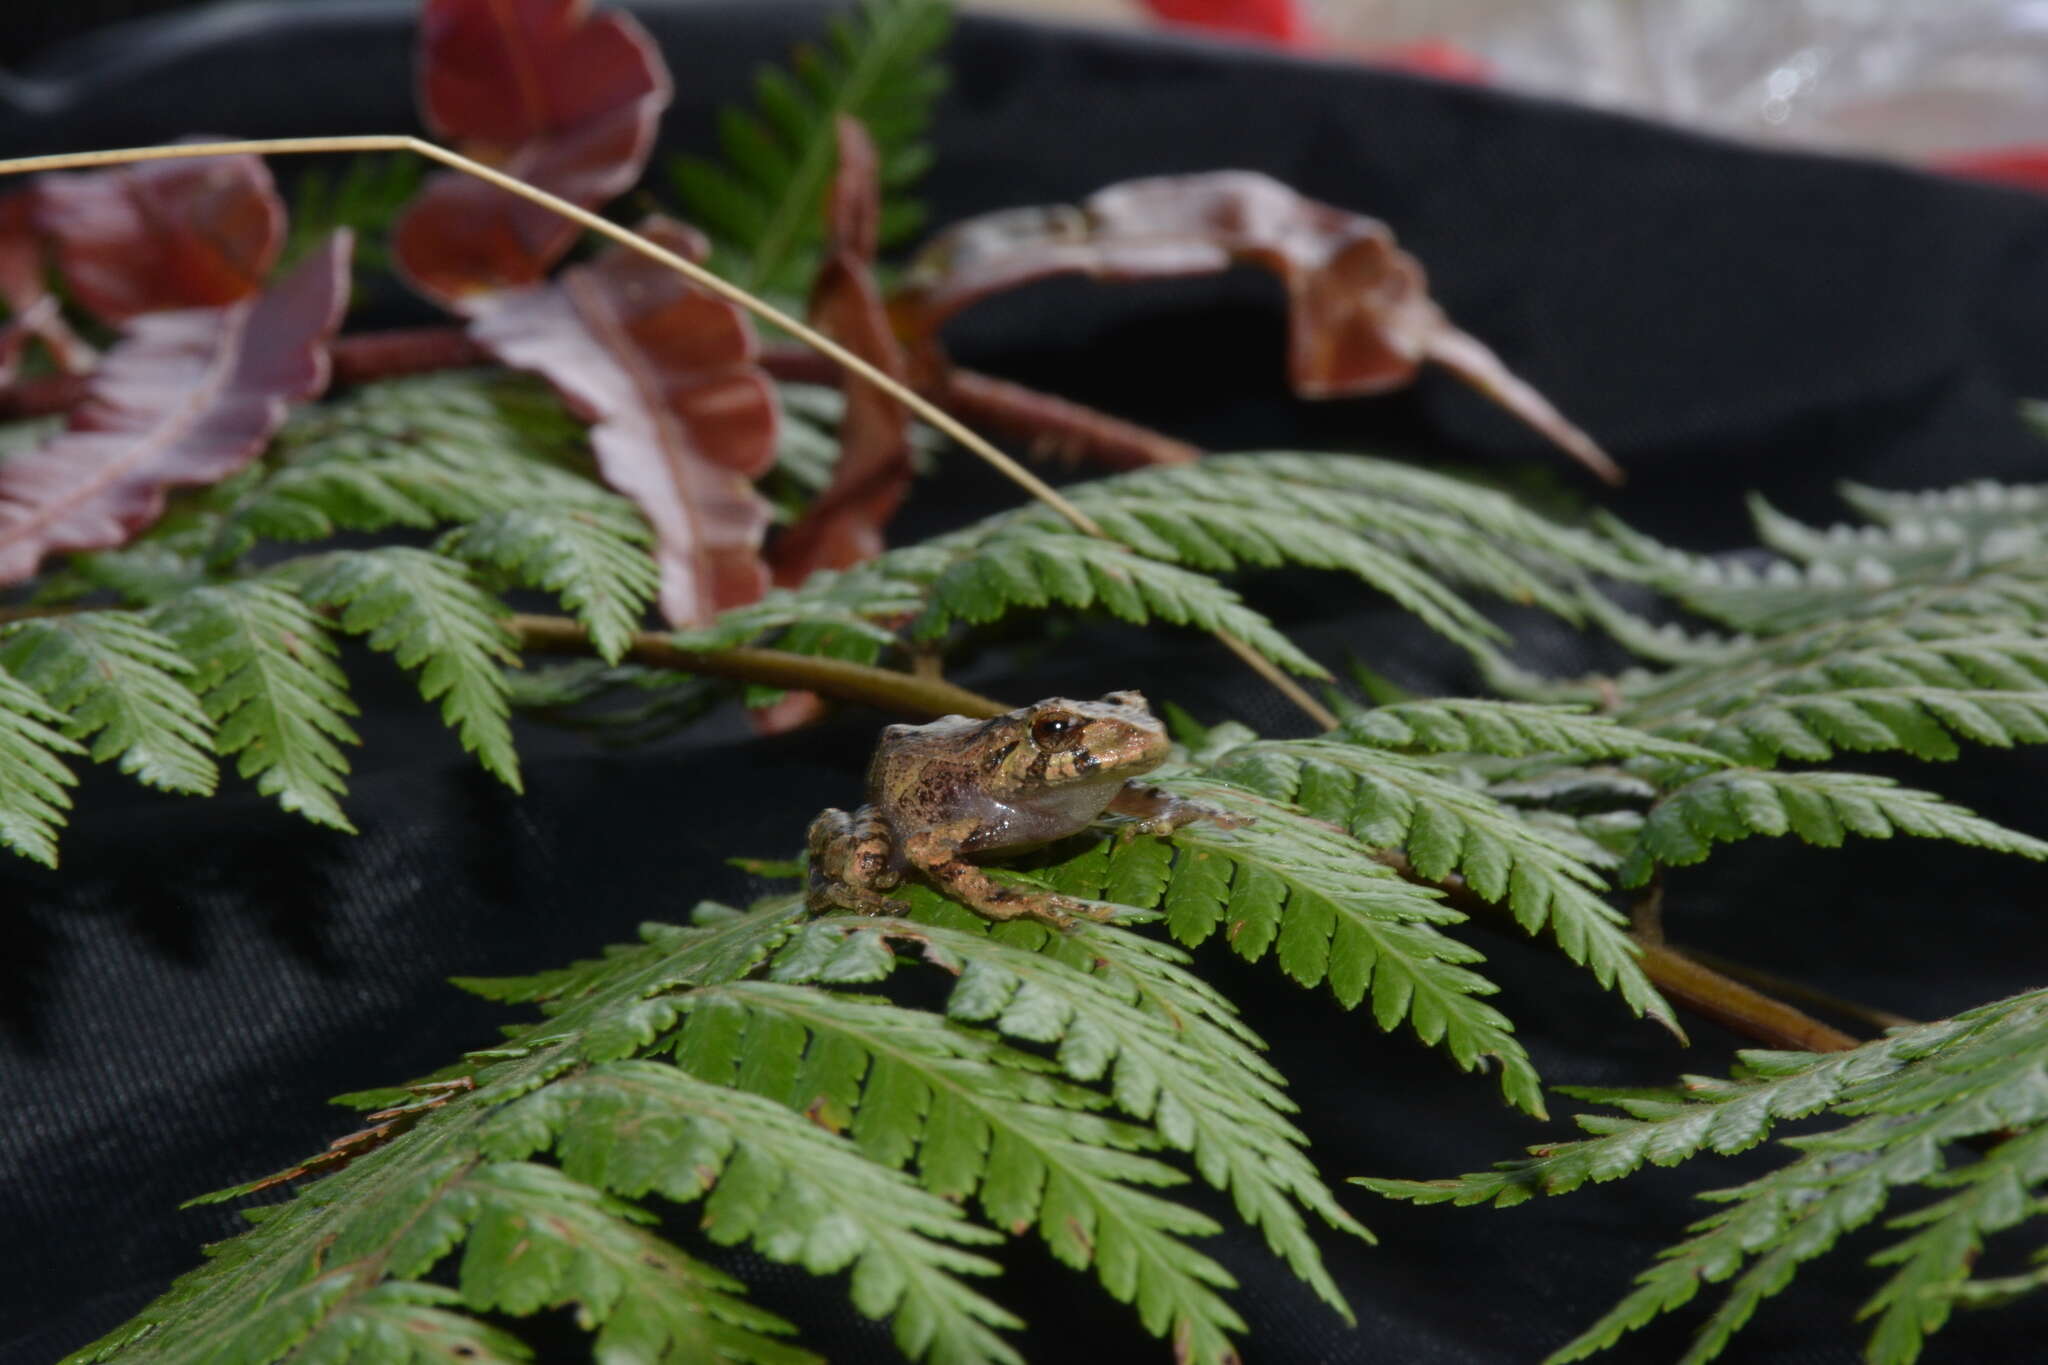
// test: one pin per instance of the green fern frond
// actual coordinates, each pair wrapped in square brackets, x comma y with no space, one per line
[1401,530]
[1412,534]
[1976,507]
[1512,729]
[527,1236]
[412,454]
[265,672]
[366,196]
[1902,1103]
[1820,807]
[428,614]
[122,685]
[764,203]
[1023,569]
[1446,826]
[774,1180]
[596,564]
[1317,899]
[979,1119]
[34,799]
[1246,1145]
[1232,1123]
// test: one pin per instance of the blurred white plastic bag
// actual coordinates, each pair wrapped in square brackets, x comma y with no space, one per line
[1908,78]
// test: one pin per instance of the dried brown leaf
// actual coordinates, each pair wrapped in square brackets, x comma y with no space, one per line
[32,307]
[1360,316]
[163,235]
[843,525]
[186,398]
[683,419]
[545,91]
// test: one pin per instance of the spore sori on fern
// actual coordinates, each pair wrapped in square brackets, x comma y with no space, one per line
[572,503]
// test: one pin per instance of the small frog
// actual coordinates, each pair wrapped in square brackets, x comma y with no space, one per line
[957,787]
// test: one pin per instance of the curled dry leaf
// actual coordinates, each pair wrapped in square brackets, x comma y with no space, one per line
[683,419]
[162,235]
[542,90]
[1360,317]
[186,398]
[843,526]
[32,308]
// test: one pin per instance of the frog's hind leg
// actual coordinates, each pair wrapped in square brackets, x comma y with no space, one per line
[974,887]
[850,865]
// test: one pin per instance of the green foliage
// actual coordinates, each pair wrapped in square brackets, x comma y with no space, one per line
[264,669]
[775,1181]
[1327,909]
[598,566]
[1821,808]
[33,800]
[1900,1106]
[787,1077]
[426,612]
[234,652]
[832,1130]
[1038,568]
[764,202]
[124,686]
[1444,826]
[412,454]
[366,195]
[1409,533]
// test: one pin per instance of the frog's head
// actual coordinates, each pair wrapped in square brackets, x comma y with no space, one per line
[1077,742]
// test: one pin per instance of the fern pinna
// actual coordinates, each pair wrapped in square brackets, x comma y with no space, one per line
[896,1102]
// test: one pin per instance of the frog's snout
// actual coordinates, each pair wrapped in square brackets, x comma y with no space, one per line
[1135,700]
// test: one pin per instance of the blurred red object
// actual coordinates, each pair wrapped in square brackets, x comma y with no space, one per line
[1284,22]
[2024,166]
[1280,21]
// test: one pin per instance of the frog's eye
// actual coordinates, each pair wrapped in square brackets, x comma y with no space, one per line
[1055,729]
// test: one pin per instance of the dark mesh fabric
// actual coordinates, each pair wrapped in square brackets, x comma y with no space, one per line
[177,1004]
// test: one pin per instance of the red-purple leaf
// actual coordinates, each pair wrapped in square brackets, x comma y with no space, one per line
[544,91]
[843,526]
[163,235]
[1360,317]
[33,309]
[186,398]
[683,419]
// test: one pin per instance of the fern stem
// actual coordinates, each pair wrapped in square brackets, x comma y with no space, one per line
[1050,424]
[1286,686]
[364,356]
[1738,1008]
[883,688]
[1689,983]
[690,270]
[1799,991]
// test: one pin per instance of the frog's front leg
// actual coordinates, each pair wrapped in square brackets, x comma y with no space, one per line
[935,852]
[1161,812]
[852,863]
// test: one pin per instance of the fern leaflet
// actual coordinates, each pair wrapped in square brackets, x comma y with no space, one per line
[765,202]
[1902,1102]
[426,612]
[776,1180]
[595,564]
[265,672]
[1446,826]
[33,800]
[122,685]
[1821,808]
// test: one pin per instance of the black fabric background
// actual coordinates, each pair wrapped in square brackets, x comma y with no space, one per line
[176,1004]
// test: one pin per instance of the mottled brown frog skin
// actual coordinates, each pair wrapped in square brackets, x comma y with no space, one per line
[942,793]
